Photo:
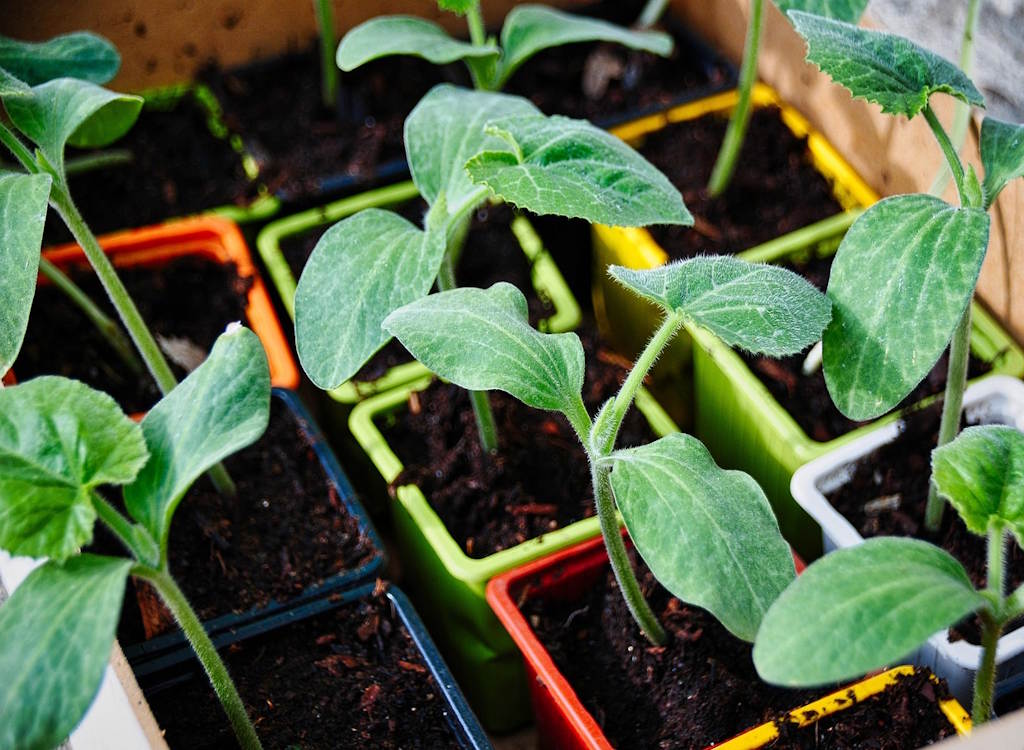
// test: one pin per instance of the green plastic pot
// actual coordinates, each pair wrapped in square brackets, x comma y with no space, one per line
[746,428]
[451,585]
[547,279]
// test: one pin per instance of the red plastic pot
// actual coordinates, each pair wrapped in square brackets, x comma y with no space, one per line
[562,721]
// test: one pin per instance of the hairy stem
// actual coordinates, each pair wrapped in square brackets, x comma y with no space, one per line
[952,158]
[118,524]
[328,70]
[175,600]
[114,157]
[18,149]
[985,679]
[651,14]
[737,128]
[996,558]
[475,21]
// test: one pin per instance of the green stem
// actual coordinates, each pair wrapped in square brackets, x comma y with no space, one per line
[619,558]
[114,157]
[955,165]
[475,21]
[652,12]
[18,149]
[737,128]
[175,600]
[328,69]
[953,400]
[107,327]
[996,546]
[985,679]
[118,524]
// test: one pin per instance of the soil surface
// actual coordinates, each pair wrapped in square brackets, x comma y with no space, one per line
[897,476]
[774,190]
[351,677]
[191,300]
[806,397]
[538,482]
[178,168]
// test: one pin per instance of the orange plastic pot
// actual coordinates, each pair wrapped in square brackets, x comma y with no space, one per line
[207,237]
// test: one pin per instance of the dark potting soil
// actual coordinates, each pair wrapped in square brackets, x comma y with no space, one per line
[350,677]
[774,190]
[568,242]
[178,168]
[897,475]
[598,81]
[906,715]
[188,300]
[806,397]
[276,106]
[538,482]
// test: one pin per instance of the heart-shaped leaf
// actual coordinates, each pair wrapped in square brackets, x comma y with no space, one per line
[23,200]
[708,535]
[843,10]
[557,165]
[763,309]
[221,407]
[860,608]
[1002,154]
[361,270]
[405,35]
[80,54]
[59,439]
[481,340]
[901,280]
[883,68]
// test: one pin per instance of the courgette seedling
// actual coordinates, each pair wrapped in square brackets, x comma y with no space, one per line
[863,607]
[60,443]
[462,147]
[528,29]
[708,535]
[904,276]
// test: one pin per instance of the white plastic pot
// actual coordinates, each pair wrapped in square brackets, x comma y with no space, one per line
[994,400]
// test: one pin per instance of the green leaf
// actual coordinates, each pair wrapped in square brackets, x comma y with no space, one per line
[480,339]
[860,608]
[903,276]
[361,270]
[1002,154]
[68,111]
[56,632]
[58,440]
[80,54]
[12,86]
[556,165]
[760,308]
[457,6]
[444,130]
[405,35]
[842,10]
[23,200]
[220,408]
[708,535]
[883,68]
[981,473]
[528,29]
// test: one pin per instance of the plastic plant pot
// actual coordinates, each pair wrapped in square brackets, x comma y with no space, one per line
[367,571]
[174,667]
[629,321]
[746,428]
[547,279]
[453,584]
[211,238]
[562,720]
[996,399]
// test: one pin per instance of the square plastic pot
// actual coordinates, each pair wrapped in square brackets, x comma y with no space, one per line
[629,321]
[453,584]
[563,723]
[998,400]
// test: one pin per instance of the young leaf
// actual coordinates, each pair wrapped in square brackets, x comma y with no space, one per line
[1002,154]
[981,473]
[56,632]
[900,281]
[444,130]
[886,69]
[842,10]
[860,608]
[457,6]
[708,535]
[220,408]
[480,339]
[23,200]
[760,308]
[361,269]
[556,165]
[528,29]
[80,54]
[68,111]
[405,35]
[58,440]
